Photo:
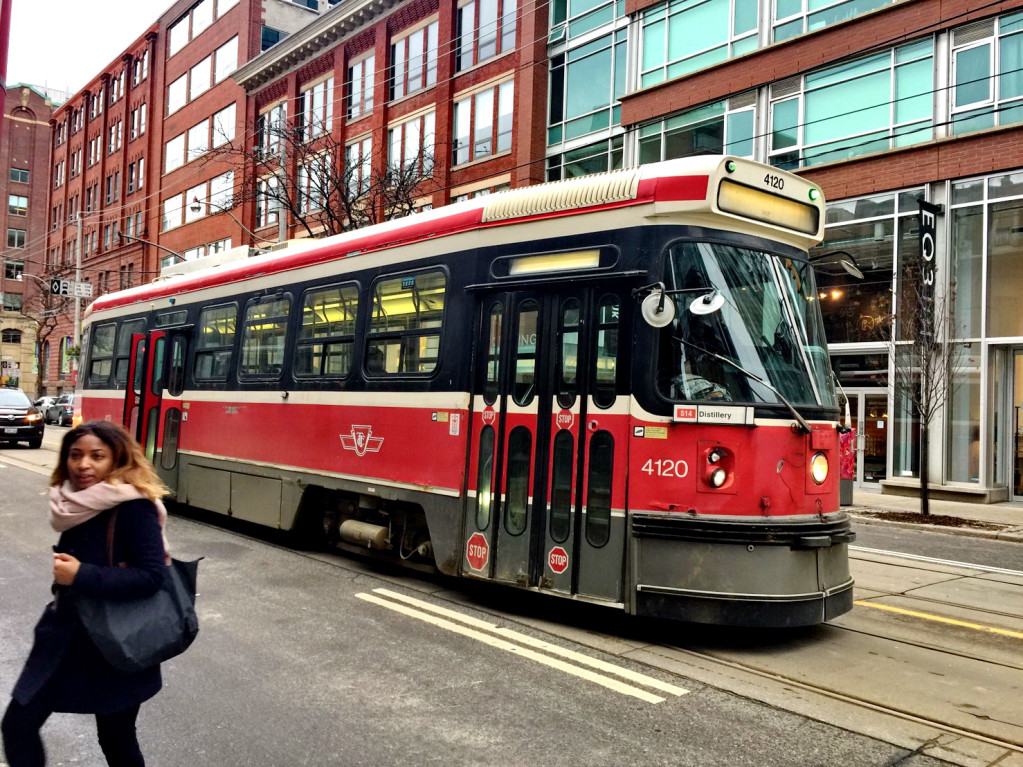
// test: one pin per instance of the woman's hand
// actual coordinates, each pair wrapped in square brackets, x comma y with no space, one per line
[65,568]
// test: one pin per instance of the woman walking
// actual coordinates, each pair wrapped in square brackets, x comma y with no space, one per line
[102,485]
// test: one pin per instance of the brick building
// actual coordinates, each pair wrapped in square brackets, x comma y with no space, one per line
[133,145]
[24,183]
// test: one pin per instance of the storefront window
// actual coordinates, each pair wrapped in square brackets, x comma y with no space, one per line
[962,455]
[1005,268]
[967,269]
[906,427]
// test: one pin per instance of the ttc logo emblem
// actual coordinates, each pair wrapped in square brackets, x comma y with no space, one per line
[361,440]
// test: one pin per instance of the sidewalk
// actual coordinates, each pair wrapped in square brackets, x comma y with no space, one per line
[1005,520]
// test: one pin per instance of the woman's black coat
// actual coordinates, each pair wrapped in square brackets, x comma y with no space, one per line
[64,664]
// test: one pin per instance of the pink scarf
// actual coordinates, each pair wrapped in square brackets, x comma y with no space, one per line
[69,507]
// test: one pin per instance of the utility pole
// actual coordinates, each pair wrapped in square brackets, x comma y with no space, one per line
[78,302]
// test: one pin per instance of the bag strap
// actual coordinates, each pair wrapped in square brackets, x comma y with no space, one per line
[110,537]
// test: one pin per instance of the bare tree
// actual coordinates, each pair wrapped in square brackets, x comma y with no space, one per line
[44,309]
[929,364]
[318,182]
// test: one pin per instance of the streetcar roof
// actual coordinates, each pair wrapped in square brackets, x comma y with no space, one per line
[680,180]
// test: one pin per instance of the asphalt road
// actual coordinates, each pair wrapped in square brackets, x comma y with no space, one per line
[302,660]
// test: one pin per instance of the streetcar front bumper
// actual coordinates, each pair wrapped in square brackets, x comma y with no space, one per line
[778,573]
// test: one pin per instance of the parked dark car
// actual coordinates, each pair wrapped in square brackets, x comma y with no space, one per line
[61,411]
[20,420]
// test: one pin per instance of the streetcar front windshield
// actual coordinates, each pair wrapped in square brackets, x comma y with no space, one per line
[769,325]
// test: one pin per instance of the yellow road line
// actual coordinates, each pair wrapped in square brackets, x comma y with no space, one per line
[940,619]
[539,644]
[501,644]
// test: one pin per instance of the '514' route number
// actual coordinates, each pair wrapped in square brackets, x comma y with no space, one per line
[665,467]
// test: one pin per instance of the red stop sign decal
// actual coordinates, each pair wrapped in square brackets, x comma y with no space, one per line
[477,551]
[558,560]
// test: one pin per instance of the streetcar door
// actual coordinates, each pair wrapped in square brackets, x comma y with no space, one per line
[150,389]
[133,387]
[542,365]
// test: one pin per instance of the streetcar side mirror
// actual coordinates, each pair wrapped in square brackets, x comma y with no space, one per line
[656,310]
[708,304]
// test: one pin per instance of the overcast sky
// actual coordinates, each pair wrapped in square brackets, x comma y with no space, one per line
[63,44]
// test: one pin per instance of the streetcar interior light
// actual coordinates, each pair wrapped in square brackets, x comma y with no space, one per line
[718,477]
[819,468]
[759,205]
[555,262]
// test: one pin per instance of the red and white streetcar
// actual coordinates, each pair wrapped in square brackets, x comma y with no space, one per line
[612,388]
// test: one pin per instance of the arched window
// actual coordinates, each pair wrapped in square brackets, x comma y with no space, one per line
[10,336]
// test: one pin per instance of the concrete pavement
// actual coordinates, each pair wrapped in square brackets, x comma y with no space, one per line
[1004,521]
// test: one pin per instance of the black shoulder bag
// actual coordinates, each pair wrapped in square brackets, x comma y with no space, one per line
[136,634]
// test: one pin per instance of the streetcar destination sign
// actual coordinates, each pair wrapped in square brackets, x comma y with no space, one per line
[730,414]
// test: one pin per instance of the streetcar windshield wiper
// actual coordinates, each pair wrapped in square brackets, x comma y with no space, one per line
[803,425]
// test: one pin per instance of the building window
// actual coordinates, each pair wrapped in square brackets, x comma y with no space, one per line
[177,94]
[13,270]
[173,212]
[17,205]
[358,157]
[269,37]
[174,153]
[199,78]
[359,88]
[198,141]
[727,28]
[410,145]
[223,126]
[270,128]
[58,174]
[225,59]
[12,302]
[725,127]
[483,123]
[987,82]
[19,175]
[486,28]
[114,137]
[794,17]
[138,121]
[316,109]
[599,157]
[414,61]
[15,238]
[314,183]
[866,105]
[267,203]
[10,336]
[140,68]
[586,83]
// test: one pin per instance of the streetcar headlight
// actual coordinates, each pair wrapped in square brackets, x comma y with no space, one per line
[819,468]
[713,457]
[718,477]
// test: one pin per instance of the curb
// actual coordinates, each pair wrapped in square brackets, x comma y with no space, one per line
[1009,534]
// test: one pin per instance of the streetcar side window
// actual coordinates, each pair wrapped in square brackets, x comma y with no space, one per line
[215,343]
[122,355]
[598,488]
[101,356]
[264,337]
[605,361]
[326,337]
[405,324]
[492,384]
[524,386]
[568,359]
[520,454]
[561,485]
